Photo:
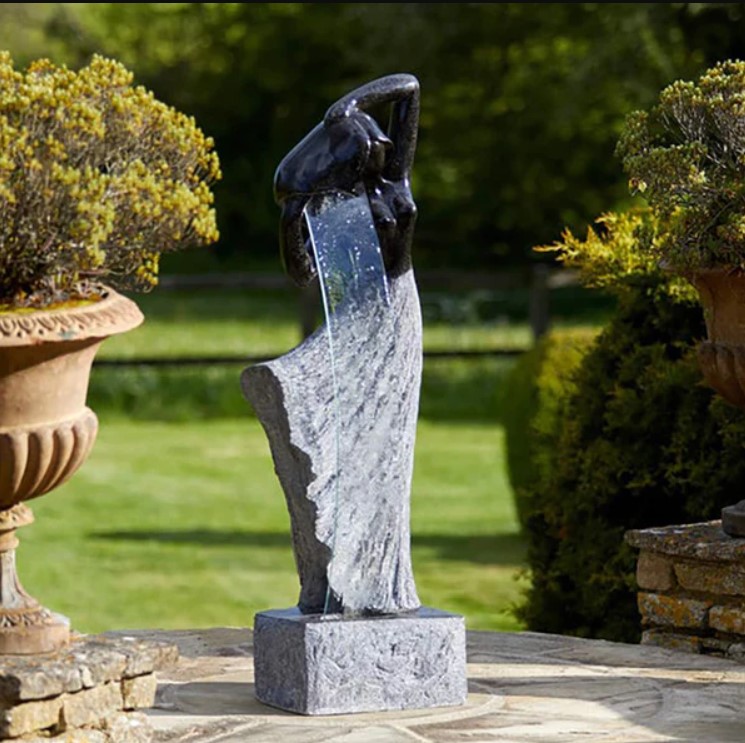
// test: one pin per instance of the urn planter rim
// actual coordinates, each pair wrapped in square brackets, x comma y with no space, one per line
[112,314]
[692,273]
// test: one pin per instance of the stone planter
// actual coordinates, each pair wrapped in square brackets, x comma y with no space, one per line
[721,357]
[46,433]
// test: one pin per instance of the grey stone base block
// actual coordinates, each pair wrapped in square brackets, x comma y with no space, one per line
[317,665]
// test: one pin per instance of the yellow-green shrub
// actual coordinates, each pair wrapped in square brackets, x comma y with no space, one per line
[97,178]
[686,156]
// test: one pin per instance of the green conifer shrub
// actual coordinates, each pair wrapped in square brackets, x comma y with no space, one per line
[636,441]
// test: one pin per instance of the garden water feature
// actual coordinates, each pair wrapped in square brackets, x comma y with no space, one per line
[340,414]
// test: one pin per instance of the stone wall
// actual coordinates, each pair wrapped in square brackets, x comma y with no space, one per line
[691,582]
[87,692]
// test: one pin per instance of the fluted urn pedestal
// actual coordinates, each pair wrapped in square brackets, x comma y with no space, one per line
[722,356]
[46,433]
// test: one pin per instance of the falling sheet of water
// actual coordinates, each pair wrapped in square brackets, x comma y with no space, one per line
[352,278]
[346,249]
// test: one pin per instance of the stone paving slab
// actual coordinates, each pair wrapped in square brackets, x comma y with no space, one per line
[523,688]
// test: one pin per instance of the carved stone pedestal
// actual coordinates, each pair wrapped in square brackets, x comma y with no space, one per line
[26,627]
[328,665]
[733,519]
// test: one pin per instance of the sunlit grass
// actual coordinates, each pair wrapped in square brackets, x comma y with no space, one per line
[230,323]
[184,525]
[178,519]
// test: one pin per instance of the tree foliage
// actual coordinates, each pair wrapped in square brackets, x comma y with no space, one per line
[522,102]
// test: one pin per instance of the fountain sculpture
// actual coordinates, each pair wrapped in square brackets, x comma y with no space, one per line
[340,415]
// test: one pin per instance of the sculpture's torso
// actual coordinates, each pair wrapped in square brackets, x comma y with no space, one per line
[351,526]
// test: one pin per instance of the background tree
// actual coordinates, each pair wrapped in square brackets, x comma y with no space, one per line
[522,102]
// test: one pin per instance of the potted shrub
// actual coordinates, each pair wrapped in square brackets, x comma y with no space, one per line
[686,156]
[97,178]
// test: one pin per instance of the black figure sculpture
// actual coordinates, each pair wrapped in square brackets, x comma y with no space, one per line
[348,151]
[351,528]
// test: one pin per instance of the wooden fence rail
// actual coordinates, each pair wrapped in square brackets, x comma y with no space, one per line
[539,280]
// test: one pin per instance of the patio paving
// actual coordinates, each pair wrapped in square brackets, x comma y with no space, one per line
[524,687]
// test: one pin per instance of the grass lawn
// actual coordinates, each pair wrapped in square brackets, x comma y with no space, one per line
[177,519]
[184,525]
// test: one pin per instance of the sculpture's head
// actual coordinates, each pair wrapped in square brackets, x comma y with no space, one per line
[335,156]
[349,152]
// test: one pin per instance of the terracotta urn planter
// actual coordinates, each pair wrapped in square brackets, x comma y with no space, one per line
[46,433]
[722,356]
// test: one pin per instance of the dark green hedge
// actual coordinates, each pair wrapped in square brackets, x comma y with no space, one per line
[636,441]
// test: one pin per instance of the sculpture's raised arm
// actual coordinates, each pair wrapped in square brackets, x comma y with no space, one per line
[403,92]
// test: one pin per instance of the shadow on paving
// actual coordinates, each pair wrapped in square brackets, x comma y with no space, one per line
[683,710]
[525,686]
[486,549]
